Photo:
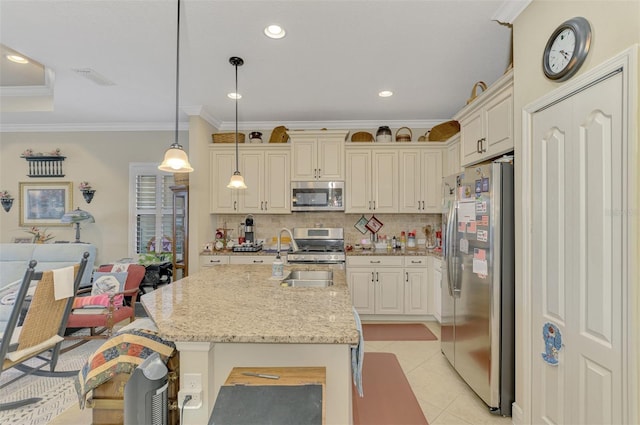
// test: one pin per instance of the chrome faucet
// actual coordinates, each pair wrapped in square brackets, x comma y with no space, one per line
[294,245]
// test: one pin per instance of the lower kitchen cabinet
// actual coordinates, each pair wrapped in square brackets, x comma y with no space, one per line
[251,259]
[213,260]
[376,284]
[435,269]
[416,294]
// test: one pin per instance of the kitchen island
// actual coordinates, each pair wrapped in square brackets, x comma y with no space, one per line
[237,316]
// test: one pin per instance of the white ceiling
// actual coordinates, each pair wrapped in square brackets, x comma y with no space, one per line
[327,71]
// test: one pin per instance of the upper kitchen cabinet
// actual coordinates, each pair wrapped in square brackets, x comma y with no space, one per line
[486,124]
[453,156]
[371,183]
[420,175]
[317,155]
[266,171]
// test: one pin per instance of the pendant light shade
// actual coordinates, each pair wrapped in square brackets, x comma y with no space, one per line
[237,181]
[175,158]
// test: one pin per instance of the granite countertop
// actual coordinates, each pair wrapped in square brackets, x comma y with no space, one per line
[240,303]
[230,252]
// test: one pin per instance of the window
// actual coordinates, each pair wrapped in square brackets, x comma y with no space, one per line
[151,209]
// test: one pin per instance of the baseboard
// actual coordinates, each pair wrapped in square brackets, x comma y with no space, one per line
[517,415]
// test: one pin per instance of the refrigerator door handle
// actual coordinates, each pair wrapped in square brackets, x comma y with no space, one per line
[448,246]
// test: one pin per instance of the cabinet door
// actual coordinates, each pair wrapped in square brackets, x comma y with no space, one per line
[362,290]
[499,116]
[410,182]
[304,159]
[471,133]
[431,180]
[389,291]
[221,167]
[277,183]
[358,181]
[416,291]
[252,168]
[330,159]
[453,157]
[384,183]
[436,284]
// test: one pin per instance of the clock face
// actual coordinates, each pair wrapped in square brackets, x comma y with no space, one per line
[562,50]
[567,49]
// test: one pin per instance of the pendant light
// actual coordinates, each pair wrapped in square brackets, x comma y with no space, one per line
[237,181]
[175,158]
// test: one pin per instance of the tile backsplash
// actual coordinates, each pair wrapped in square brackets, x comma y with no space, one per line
[267,226]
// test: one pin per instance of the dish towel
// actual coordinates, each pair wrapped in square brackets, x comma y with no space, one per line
[357,356]
[63,283]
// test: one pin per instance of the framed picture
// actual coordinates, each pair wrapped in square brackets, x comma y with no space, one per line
[374,224]
[361,225]
[44,204]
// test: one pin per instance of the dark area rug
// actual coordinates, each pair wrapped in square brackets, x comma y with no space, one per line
[397,332]
[388,398]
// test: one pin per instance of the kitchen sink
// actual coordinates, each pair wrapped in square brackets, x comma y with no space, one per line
[309,278]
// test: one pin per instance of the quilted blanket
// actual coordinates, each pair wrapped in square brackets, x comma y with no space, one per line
[121,353]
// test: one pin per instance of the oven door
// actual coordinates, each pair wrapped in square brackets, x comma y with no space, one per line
[317,196]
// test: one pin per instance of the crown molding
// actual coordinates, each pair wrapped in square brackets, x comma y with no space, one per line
[509,10]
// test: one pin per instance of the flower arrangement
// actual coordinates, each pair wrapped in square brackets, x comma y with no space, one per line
[4,194]
[39,236]
[84,186]
[27,152]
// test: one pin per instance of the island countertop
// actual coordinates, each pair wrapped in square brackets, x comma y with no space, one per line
[242,304]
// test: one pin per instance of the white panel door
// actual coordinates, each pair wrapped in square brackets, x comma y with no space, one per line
[577,239]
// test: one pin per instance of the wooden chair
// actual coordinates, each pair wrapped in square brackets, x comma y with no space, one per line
[42,329]
[101,324]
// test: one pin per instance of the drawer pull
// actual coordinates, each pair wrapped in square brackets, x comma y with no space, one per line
[214,261]
[416,262]
[258,261]
[374,262]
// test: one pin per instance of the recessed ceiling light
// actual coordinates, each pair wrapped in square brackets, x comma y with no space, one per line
[385,93]
[234,96]
[274,31]
[17,59]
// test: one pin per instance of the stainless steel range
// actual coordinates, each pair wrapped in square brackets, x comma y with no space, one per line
[318,245]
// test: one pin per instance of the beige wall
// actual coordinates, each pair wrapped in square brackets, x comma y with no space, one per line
[102,158]
[615,27]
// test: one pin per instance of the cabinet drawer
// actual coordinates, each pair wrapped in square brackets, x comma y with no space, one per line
[416,261]
[251,259]
[213,260]
[375,261]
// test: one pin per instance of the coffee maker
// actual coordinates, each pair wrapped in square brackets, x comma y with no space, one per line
[249,229]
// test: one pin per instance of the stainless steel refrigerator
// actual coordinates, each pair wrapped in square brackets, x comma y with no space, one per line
[477,329]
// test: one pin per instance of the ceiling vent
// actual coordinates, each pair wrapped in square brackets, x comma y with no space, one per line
[93,76]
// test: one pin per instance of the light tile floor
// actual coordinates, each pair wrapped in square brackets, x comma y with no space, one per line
[444,397]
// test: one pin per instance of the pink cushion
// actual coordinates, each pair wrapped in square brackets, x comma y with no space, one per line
[101,300]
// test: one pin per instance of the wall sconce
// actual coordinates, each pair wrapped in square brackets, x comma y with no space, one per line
[87,191]
[6,199]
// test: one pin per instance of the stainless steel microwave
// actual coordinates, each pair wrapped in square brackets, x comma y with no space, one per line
[317,196]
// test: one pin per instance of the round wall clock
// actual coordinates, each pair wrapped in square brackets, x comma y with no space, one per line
[567,49]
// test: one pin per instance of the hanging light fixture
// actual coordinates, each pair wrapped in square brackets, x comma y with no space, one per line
[175,158]
[236,182]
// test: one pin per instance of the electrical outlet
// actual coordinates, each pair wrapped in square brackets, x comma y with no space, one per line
[194,403]
[191,386]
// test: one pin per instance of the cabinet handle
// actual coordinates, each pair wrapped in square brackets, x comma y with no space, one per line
[478,146]
[377,280]
[484,149]
[374,262]
[416,262]
[374,205]
[372,277]
[407,277]
[235,205]
[265,205]
[319,172]
[315,173]
[261,206]
[258,261]
[369,204]
[214,261]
